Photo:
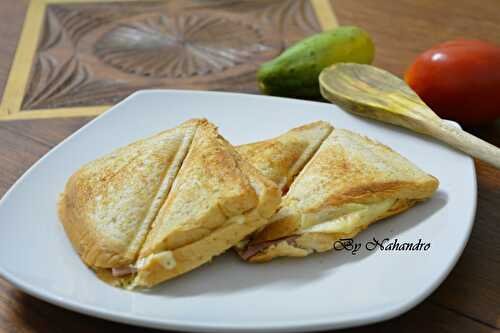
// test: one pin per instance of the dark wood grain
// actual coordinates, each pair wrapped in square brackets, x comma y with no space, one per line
[473,288]
[37,314]
[48,132]
[17,153]
[468,300]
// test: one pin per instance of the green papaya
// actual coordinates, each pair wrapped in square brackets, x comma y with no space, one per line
[295,72]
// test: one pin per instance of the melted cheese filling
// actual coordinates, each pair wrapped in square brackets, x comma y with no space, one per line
[319,230]
[165,259]
[344,219]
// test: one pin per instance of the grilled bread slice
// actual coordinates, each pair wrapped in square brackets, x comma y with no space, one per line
[108,205]
[281,159]
[164,205]
[217,199]
[350,182]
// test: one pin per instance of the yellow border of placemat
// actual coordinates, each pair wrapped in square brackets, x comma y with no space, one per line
[15,88]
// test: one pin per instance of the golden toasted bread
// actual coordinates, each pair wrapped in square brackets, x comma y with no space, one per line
[216,200]
[108,205]
[164,205]
[281,159]
[349,183]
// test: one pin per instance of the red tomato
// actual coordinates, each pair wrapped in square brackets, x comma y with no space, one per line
[459,80]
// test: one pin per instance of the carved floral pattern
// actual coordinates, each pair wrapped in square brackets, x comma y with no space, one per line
[65,85]
[98,53]
[180,46]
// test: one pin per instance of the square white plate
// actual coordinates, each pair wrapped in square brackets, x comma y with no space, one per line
[323,291]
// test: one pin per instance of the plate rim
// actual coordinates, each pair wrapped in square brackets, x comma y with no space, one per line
[183,325]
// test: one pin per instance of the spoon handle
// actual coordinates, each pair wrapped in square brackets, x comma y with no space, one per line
[465,142]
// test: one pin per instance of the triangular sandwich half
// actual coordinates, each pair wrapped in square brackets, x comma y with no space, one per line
[216,201]
[109,204]
[349,183]
[281,159]
[164,205]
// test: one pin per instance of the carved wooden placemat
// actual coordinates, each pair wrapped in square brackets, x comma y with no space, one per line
[79,57]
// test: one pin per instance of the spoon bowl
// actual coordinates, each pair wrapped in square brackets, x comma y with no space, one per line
[375,93]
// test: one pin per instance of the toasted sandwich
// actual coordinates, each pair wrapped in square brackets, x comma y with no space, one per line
[109,204]
[281,159]
[217,200]
[164,205]
[349,183]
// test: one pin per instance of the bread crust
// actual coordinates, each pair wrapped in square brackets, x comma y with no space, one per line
[108,204]
[195,254]
[281,159]
[306,244]
[186,195]
[195,198]
[238,201]
[347,169]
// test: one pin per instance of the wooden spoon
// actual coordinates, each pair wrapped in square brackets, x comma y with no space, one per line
[372,92]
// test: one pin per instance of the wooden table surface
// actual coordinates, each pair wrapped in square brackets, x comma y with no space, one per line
[467,301]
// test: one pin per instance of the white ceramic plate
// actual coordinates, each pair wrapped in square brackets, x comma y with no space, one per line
[331,290]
